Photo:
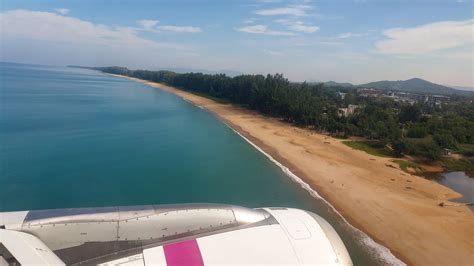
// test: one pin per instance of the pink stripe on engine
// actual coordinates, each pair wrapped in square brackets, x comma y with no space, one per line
[183,253]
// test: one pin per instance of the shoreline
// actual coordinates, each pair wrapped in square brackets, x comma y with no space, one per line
[383,252]
[396,209]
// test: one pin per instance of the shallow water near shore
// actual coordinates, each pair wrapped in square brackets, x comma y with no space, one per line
[460,182]
[79,138]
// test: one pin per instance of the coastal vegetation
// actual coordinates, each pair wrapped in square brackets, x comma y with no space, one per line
[391,128]
[459,165]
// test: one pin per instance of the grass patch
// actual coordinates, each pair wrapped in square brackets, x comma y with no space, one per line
[370,147]
[405,165]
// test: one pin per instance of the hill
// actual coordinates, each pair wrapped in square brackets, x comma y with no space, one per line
[416,85]
[338,84]
[463,88]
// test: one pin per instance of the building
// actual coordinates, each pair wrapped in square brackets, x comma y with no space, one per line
[369,92]
[350,110]
[341,94]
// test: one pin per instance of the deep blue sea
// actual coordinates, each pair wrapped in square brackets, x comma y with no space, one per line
[79,138]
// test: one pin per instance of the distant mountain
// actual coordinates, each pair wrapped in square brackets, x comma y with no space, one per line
[415,85]
[338,84]
[463,88]
[331,83]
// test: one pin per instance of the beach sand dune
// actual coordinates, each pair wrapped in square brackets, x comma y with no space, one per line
[397,209]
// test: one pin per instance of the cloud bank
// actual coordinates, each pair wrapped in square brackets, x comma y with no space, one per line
[262,29]
[52,38]
[297,11]
[62,11]
[298,26]
[148,24]
[427,38]
[180,29]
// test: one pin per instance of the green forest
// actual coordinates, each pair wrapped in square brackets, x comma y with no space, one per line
[419,130]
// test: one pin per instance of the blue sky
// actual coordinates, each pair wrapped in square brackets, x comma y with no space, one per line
[356,41]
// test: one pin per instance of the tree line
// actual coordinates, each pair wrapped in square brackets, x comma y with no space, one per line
[407,129]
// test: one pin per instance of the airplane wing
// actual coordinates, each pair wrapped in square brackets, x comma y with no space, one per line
[181,234]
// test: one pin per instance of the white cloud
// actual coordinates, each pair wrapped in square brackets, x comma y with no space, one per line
[152,25]
[147,24]
[347,35]
[50,38]
[272,52]
[304,28]
[298,26]
[62,11]
[36,25]
[262,29]
[427,38]
[248,21]
[316,43]
[352,56]
[462,55]
[180,29]
[344,35]
[269,1]
[296,10]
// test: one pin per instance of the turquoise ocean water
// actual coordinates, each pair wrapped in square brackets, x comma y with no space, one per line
[80,138]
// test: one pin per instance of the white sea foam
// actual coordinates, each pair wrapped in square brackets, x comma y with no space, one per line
[381,251]
[197,105]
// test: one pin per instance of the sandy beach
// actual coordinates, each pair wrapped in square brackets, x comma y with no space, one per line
[396,209]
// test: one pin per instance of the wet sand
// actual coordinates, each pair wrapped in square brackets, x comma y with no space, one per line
[397,209]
